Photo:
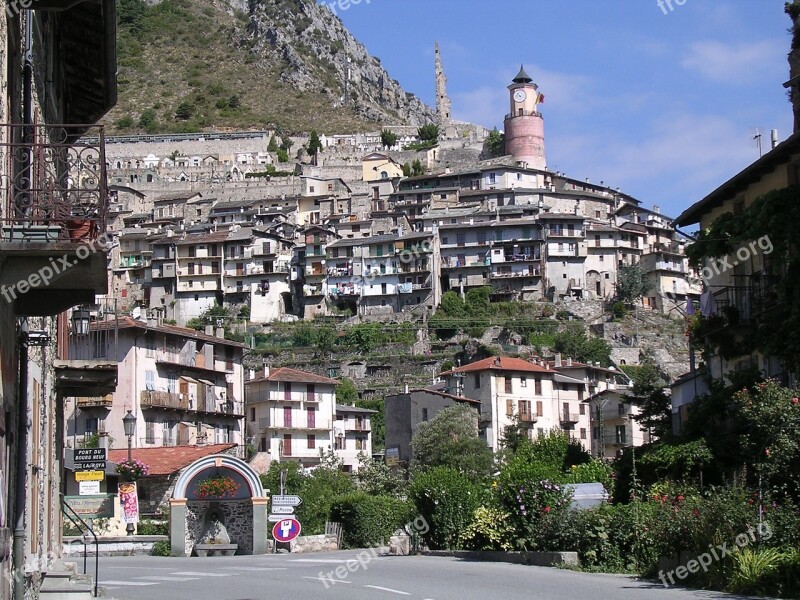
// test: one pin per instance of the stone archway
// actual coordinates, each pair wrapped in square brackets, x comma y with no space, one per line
[245,513]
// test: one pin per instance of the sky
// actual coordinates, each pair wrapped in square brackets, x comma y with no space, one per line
[662,103]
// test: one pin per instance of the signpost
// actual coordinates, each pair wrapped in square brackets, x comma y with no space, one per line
[92,507]
[89,488]
[286,530]
[286,501]
[89,459]
[283,510]
[82,476]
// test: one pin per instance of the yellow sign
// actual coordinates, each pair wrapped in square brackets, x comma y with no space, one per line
[90,476]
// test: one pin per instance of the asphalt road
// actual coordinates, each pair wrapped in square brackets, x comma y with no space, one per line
[301,576]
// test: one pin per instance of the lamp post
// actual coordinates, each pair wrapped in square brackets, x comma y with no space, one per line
[81,317]
[129,424]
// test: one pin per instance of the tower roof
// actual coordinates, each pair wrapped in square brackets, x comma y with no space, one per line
[522,76]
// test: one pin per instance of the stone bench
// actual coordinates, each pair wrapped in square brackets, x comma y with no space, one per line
[215,549]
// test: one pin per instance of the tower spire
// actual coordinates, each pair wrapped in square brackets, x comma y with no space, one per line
[442,99]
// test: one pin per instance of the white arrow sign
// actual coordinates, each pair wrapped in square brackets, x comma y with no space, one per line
[286,501]
[283,510]
[275,518]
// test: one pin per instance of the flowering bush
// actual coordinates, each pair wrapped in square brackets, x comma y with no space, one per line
[131,470]
[217,486]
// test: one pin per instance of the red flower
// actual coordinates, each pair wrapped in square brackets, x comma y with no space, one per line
[546,509]
[696,512]
[766,451]
[680,498]
[795,400]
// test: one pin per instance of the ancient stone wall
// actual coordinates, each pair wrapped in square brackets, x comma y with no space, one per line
[237,518]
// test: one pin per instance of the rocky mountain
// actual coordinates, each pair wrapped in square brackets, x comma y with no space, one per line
[188,65]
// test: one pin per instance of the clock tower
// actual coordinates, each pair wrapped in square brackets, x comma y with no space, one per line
[524,125]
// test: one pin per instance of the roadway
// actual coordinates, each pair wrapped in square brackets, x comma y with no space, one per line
[364,576]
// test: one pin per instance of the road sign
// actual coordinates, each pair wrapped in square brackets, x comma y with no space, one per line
[90,476]
[84,455]
[286,501]
[93,507]
[283,510]
[275,518]
[98,465]
[286,530]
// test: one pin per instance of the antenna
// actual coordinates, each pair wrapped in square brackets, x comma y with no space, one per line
[757,137]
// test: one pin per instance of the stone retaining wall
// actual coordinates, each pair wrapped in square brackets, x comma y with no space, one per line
[314,543]
[136,545]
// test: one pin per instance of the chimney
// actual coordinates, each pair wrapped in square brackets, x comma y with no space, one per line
[405,389]
[569,361]
[266,370]
[221,332]
[209,330]
[558,360]
[252,374]
[774,137]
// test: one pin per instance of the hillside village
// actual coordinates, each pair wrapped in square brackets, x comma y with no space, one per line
[406,331]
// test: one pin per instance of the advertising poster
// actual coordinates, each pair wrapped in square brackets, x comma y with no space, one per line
[129,502]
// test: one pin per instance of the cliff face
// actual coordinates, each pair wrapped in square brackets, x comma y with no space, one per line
[189,65]
[317,52]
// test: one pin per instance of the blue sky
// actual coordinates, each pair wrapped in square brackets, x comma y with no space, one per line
[664,106]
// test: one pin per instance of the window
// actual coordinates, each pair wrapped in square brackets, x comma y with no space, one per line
[252,414]
[509,385]
[340,442]
[481,237]
[361,443]
[150,380]
[621,409]
[92,425]
[583,433]
[461,239]
[311,417]
[311,442]
[537,387]
[622,437]
[602,258]
[539,408]
[477,380]
[424,414]
[149,432]
[523,382]
[582,407]
[525,410]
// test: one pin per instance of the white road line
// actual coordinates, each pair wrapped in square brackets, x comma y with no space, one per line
[325,579]
[131,583]
[256,568]
[377,587]
[166,578]
[336,561]
[197,574]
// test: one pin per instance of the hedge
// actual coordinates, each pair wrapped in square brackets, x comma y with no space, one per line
[369,521]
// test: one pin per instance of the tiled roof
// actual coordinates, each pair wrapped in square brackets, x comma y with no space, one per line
[495,363]
[165,461]
[295,376]
[129,322]
[446,395]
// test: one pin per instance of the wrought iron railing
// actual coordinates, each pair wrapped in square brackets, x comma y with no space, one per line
[85,530]
[53,183]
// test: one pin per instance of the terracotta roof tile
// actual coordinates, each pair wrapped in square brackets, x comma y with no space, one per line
[295,376]
[495,363]
[168,460]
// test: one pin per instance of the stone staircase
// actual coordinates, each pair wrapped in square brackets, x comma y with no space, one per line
[63,582]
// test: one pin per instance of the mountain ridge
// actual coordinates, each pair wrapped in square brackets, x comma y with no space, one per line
[198,65]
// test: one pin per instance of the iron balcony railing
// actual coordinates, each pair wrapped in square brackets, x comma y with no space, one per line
[53,183]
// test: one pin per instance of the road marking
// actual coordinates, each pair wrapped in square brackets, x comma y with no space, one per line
[132,583]
[326,579]
[256,568]
[337,561]
[196,574]
[377,587]
[166,578]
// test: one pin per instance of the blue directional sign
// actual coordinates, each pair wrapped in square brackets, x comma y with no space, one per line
[286,530]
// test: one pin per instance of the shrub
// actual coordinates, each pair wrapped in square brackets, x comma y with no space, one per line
[152,528]
[490,530]
[161,548]
[368,520]
[619,311]
[447,500]
[755,572]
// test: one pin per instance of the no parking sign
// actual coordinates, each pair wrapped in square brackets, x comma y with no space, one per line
[286,530]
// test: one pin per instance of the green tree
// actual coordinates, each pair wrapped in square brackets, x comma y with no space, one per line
[273,145]
[185,111]
[125,122]
[286,142]
[314,143]
[574,342]
[346,392]
[148,120]
[428,133]
[451,440]
[388,139]
[632,283]
[234,102]
[325,338]
[283,155]
[649,394]
[416,168]
[376,479]
[494,143]
[304,334]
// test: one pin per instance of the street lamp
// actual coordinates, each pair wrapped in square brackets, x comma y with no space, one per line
[81,317]
[129,425]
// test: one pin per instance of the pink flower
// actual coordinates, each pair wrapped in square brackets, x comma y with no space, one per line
[795,400]
[546,509]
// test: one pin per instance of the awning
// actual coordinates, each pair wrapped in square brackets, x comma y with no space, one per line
[189,379]
[207,382]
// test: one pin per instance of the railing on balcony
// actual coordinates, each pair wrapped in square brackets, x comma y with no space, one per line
[156,399]
[95,401]
[358,427]
[528,418]
[94,332]
[56,188]
[568,419]
[282,396]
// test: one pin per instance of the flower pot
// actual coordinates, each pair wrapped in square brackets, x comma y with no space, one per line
[80,229]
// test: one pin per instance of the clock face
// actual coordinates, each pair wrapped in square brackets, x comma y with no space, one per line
[520,95]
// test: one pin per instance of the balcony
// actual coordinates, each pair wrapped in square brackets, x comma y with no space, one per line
[364,427]
[299,425]
[516,274]
[516,258]
[528,418]
[155,399]
[568,420]
[566,233]
[53,202]
[308,397]
[238,289]
[95,401]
